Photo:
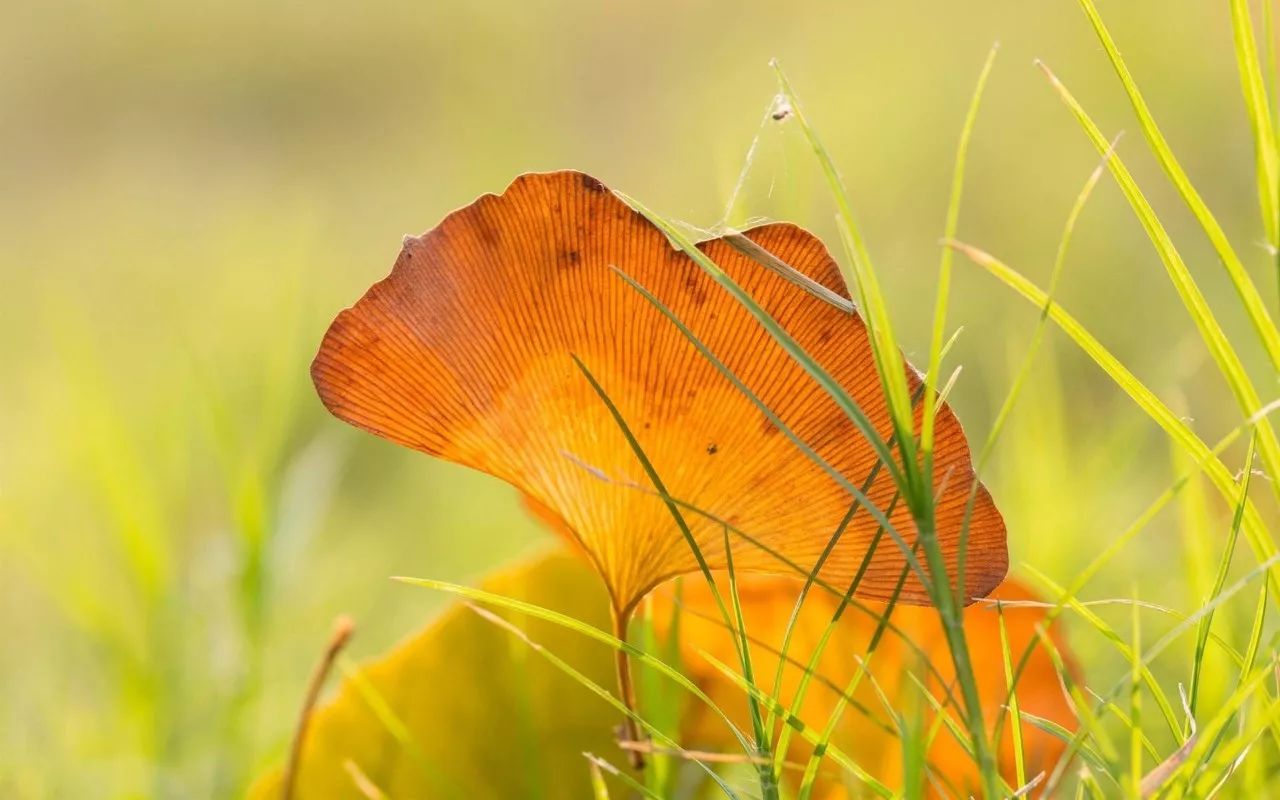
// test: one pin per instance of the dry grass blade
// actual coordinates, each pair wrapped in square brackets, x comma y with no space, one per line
[343,628]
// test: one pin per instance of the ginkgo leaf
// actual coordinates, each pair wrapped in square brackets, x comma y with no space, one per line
[913,656]
[466,352]
[465,709]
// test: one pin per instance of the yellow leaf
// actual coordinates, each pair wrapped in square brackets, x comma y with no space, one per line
[468,710]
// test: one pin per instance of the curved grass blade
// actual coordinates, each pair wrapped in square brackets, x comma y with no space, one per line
[1206,625]
[1255,529]
[1215,339]
[1255,308]
[595,688]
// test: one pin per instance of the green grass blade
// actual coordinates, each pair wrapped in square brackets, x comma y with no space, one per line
[590,632]
[1244,285]
[599,789]
[1136,678]
[600,766]
[836,755]
[1176,428]
[1258,104]
[1224,565]
[944,266]
[1215,339]
[1019,759]
[768,781]
[595,688]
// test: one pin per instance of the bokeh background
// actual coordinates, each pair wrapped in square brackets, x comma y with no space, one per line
[192,191]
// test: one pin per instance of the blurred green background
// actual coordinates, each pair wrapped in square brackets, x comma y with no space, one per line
[191,192]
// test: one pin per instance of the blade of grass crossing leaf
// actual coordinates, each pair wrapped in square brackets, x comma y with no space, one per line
[658,484]
[595,688]
[835,753]
[799,572]
[1019,759]
[853,587]
[1215,339]
[768,781]
[589,631]
[1224,565]
[1258,105]
[620,615]
[1254,306]
[815,656]
[815,758]
[862,283]
[392,723]
[820,375]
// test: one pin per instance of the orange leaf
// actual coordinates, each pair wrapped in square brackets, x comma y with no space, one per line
[767,605]
[465,352]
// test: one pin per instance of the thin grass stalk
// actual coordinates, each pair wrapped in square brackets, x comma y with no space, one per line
[1224,565]
[819,750]
[943,299]
[595,688]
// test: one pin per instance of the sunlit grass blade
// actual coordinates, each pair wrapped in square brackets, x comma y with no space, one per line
[595,688]
[1131,655]
[1220,347]
[1019,758]
[1159,646]
[1137,676]
[944,266]
[836,755]
[1175,427]
[1060,733]
[1042,323]
[1249,683]
[590,632]
[768,780]
[1254,306]
[1224,565]
[394,725]
[1258,104]
[600,766]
